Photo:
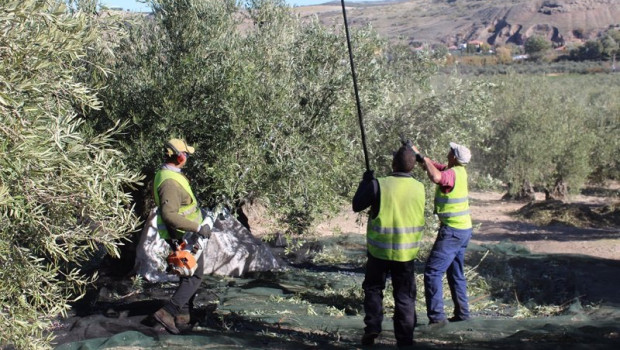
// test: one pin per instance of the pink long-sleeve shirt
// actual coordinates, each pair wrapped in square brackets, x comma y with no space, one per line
[447,177]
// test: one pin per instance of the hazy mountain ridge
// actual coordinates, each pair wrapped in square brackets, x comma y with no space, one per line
[453,22]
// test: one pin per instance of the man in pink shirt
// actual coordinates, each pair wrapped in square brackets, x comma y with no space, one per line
[448,252]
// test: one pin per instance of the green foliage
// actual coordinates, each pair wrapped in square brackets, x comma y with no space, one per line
[591,50]
[606,48]
[536,46]
[295,121]
[598,95]
[266,98]
[547,130]
[431,112]
[170,77]
[529,67]
[486,182]
[440,51]
[609,46]
[61,196]
[614,34]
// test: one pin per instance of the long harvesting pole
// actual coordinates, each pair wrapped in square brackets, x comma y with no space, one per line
[357,97]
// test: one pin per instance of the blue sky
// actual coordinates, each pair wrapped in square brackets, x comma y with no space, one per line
[134,5]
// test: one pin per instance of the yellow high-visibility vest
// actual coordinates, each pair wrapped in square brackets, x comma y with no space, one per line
[396,232]
[190,211]
[453,208]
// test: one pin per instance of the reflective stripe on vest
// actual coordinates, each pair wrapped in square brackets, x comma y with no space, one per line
[190,211]
[451,200]
[453,208]
[396,232]
[393,246]
[449,215]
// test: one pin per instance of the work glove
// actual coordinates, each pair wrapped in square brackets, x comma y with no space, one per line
[419,158]
[369,175]
[204,231]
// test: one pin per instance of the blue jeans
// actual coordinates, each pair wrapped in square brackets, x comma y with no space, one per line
[447,256]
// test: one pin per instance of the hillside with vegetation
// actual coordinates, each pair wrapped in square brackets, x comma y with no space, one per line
[454,22]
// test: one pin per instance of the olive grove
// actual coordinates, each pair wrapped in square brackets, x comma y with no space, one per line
[268,101]
[553,133]
[88,97]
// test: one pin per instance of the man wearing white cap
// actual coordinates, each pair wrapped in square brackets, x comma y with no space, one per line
[448,252]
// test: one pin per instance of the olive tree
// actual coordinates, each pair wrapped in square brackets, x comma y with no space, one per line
[597,93]
[543,135]
[268,101]
[611,46]
[61,186]
[266,98]
[536,46]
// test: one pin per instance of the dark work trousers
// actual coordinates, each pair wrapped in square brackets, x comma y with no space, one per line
[403,283]
[447,256]
[181,301]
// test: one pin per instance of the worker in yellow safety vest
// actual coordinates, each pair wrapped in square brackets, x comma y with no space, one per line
[177,213]
[448,252]
[393,237]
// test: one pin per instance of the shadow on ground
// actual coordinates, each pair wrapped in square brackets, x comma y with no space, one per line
[518,231]
[545,279]
[318,305]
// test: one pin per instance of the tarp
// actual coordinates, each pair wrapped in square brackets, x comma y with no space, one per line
[319,306]
[232,250]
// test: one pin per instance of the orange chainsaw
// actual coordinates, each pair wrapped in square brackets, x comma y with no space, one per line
[182,260]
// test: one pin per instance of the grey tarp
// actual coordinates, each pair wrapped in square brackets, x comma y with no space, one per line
[232,250]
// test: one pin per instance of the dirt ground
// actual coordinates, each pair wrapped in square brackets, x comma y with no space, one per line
[495,221]
[560,297]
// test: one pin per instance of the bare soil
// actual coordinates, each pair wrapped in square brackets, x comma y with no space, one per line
[497,220]
[493,22]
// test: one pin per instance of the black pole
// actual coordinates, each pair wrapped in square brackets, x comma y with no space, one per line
[357,97]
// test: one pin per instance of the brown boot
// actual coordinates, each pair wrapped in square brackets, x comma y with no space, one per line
[182,322]
[182,319]
[167,320]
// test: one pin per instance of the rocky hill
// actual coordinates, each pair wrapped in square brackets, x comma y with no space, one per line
[453,22]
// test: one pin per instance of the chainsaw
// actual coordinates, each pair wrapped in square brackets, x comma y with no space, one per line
[183,260]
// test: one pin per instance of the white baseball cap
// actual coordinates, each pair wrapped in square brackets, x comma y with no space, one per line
[462,153]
